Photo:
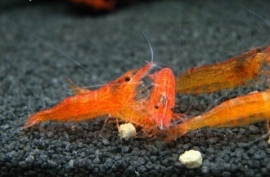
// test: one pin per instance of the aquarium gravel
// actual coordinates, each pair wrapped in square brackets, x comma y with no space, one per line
[183,34]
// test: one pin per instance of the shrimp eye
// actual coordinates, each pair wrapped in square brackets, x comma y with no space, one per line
[258,50]
[156,107]
[127,79]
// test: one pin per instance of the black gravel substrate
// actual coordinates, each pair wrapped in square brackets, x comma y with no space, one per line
[183,35]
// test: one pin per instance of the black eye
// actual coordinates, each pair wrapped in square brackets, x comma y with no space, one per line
[156,107]
[127,79]
[258,50]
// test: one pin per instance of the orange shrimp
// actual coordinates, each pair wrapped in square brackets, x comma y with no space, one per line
[237,71]
[162,98]
[106,100]
[240,111]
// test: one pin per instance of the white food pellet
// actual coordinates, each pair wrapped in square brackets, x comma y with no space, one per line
[127,131]
[191,159]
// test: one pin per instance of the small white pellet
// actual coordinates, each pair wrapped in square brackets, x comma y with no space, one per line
[191,159]
[127,131]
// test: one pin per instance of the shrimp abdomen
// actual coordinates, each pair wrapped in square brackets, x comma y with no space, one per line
[74,108]
[234,72]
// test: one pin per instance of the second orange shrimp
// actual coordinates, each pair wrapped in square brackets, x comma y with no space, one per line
[237,71]
[240,111]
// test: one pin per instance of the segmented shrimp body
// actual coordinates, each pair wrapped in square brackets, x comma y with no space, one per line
[162,99]
[240,111]
[235,72]
[91,104]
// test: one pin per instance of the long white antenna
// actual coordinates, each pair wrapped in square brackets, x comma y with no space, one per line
[259,16]
[152,53]
[53,47]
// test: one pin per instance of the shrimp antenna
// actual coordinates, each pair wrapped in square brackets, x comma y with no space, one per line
[258,139]
[152,53]
[54,48]
[259,16]
[250,11]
